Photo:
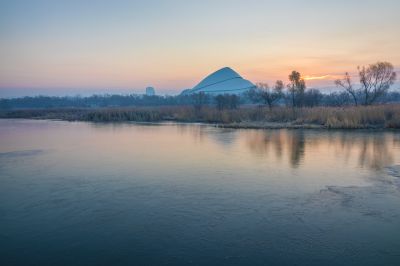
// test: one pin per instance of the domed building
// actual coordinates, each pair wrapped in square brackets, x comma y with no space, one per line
[223,81]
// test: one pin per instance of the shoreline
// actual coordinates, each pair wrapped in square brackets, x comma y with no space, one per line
[381,117]
[291,126]
[260,125]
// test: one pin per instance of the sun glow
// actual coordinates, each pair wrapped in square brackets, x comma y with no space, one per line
[318,77]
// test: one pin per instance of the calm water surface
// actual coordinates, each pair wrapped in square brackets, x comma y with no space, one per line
[75,193]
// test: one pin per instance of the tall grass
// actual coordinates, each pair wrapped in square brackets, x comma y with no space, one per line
[381,116]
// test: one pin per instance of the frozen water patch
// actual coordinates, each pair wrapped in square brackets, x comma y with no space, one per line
[357,222]
[394,175]
[379,200]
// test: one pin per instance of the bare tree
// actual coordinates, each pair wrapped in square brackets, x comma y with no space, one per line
[347,85]
[376,80]
[270,96]
[296,88]
[278,90]
[279,86]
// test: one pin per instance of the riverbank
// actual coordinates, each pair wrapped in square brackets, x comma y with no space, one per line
[363,117]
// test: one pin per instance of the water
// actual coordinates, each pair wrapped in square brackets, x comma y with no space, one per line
[74,193]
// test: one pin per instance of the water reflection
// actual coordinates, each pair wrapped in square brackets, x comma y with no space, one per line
[372,150]
[375,152]
[119,193]
[297,147]
[225,137]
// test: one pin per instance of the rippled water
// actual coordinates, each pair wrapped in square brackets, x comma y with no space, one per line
[75,193]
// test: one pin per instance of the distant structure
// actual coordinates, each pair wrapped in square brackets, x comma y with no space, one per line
[223,81]
[150,91]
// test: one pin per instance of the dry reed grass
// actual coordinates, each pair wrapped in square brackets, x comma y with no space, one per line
[380,116]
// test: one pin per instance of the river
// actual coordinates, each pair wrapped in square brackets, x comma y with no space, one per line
[77,193]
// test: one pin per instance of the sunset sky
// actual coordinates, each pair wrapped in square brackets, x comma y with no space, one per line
[82,45]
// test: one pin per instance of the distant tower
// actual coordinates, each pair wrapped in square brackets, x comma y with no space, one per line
[150,91]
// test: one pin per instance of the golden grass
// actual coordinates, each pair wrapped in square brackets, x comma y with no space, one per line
[383,116]
[380,116]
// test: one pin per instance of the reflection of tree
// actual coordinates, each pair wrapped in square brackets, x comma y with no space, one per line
[225,137]
[261,142]
[370,150]
[297,147]
[278,147]
[375,152]
[196,131]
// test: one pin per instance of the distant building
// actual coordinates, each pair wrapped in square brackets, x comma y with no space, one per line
[222,81]
[150,91]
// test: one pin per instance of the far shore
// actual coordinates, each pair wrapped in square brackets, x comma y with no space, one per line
[256,117]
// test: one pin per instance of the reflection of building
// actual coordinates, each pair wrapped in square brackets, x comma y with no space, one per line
[150,91]
[223,81]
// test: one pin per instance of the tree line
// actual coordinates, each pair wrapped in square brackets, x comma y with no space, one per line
[375,81]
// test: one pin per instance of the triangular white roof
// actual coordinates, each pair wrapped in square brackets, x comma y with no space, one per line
[223,81]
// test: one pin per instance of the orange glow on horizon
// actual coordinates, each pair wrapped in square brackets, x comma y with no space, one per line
[317,77]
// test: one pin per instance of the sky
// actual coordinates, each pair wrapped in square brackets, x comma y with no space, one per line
[64,47]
